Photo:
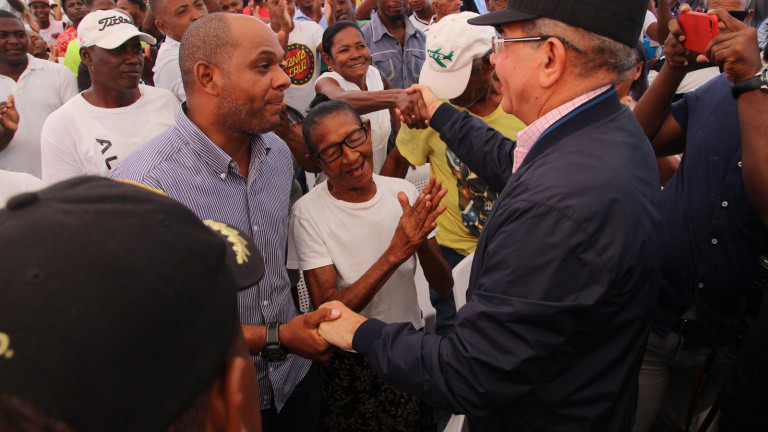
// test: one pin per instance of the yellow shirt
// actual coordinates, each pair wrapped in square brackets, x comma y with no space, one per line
[469,200]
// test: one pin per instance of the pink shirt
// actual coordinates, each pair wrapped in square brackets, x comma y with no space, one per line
[527,137]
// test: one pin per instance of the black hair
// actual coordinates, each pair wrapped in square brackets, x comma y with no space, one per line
[19,414]
[140,3]
[330,33]
[6,14]
[639,86]
[319,112]
[89,5]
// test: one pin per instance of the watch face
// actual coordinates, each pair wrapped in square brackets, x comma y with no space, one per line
[273,355]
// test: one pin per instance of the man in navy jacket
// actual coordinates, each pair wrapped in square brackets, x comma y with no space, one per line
[562,281]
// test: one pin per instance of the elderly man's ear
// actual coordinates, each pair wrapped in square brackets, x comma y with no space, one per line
[234,399]
[553,59]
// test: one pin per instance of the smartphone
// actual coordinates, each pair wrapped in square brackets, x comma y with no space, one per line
[699,28]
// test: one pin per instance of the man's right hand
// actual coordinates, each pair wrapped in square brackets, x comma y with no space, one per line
[412,110]
[674,53]
[300,335]
[341,332]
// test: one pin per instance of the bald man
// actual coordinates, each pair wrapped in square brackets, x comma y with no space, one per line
[173,17]
[221,159]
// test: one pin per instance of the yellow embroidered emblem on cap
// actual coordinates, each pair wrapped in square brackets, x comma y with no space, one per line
[239,244]
[5,346]
[143,186]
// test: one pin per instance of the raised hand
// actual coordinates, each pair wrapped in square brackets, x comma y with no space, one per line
[734,49]
[674,52]
[417,220]
[9,116]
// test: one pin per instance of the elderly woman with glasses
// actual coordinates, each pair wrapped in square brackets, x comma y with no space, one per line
[355,236]
[352,79]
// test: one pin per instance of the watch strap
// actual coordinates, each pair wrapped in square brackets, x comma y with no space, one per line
[756,82]
[273,334]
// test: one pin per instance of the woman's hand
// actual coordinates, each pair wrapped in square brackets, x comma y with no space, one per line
[418,220]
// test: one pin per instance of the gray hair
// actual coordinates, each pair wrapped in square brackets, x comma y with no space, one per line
[597,52]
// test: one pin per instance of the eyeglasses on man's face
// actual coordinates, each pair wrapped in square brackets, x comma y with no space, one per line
[355,139]
[498,42]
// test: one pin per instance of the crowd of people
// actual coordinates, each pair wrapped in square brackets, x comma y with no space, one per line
[175,173]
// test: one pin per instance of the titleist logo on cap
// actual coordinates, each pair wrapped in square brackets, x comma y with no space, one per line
[113,21]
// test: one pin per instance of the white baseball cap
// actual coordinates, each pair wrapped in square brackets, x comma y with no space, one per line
[452,44]
[108,29]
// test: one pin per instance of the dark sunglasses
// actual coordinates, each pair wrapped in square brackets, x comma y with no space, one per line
[739,15]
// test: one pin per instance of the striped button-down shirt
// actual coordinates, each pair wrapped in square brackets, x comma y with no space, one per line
[527,137]
[400,64]
[184,163]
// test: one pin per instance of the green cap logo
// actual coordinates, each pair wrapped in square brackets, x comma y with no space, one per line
[440,57]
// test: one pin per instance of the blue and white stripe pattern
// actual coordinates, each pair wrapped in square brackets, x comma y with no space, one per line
[190,168]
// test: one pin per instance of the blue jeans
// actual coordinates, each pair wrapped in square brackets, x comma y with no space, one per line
[445,307]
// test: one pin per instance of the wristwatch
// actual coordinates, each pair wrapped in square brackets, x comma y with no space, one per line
[273,350]
[759,81]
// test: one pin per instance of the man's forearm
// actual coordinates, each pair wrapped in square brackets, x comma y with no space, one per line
[653,107]
[436,269]
[299,150]
[753,112]
[395,165]
[255,336]
[17,4]
[363,10]
[317,11]
[663,15]
[486,151]
[6,136]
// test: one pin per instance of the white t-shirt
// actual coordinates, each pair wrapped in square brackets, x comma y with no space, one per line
[6,6]
[650,18]
[42,88]
[14,183]
[352,236]
[167,74]
[51,34]
[418,24]
[692,80]
[380,124]
[302,63]
[81,139]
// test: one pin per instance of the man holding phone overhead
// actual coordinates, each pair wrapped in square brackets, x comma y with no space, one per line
[713,236]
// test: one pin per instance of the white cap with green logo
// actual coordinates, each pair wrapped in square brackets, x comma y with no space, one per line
[452,45]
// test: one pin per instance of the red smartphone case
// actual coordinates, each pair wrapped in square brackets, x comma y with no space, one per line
[699,28]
